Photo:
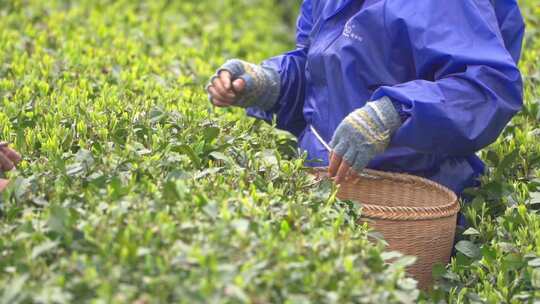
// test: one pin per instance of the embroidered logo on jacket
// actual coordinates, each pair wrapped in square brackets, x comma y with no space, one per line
[349,32]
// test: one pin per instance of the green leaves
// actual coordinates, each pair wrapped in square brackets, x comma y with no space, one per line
[535,280]
[58,220]
[471,231]
[210,134]
[535,198]
[534,263]
[13,289]
[468,248]
[134,191]
[188,151]
[507,162]
[43,248]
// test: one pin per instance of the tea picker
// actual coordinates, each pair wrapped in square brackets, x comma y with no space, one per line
[452,80]
[413,87]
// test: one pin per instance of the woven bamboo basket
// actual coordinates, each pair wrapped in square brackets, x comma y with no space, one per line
[416,216]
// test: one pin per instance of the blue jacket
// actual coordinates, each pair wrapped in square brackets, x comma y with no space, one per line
[450,65]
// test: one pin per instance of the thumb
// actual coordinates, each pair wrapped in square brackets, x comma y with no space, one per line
[239,85]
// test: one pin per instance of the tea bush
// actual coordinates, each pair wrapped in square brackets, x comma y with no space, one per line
[134,189]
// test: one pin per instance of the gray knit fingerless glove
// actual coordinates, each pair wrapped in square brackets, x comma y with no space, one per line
[262,83]
[366,132]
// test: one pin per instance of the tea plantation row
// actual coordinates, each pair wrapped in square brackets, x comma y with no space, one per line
[134,189]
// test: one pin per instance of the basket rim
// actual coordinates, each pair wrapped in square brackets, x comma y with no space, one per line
[402,213]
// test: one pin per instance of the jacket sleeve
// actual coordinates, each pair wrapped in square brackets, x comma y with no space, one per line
[291,67]
[468,86]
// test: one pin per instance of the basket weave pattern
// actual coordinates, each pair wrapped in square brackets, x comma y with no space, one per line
[416,216]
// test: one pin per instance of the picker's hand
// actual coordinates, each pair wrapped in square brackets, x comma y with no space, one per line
[243,84]
[8,159]
[361,136]
[223,91]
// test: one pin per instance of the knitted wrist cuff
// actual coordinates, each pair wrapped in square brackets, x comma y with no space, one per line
[386,113]
[263,84]
[266,90]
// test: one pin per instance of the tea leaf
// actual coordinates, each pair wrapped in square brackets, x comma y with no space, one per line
[535,280]
[471,231]
[534,262]
[468,248]
[43,248]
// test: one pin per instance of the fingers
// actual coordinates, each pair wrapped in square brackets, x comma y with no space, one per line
[338,169]
[221,104]
[226,77]
[3,184]
[8,159]
[335,163]
[221,92]
[5,163]
[239,85]
[353,174]
[11,154]
[343,172]
[217,100]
